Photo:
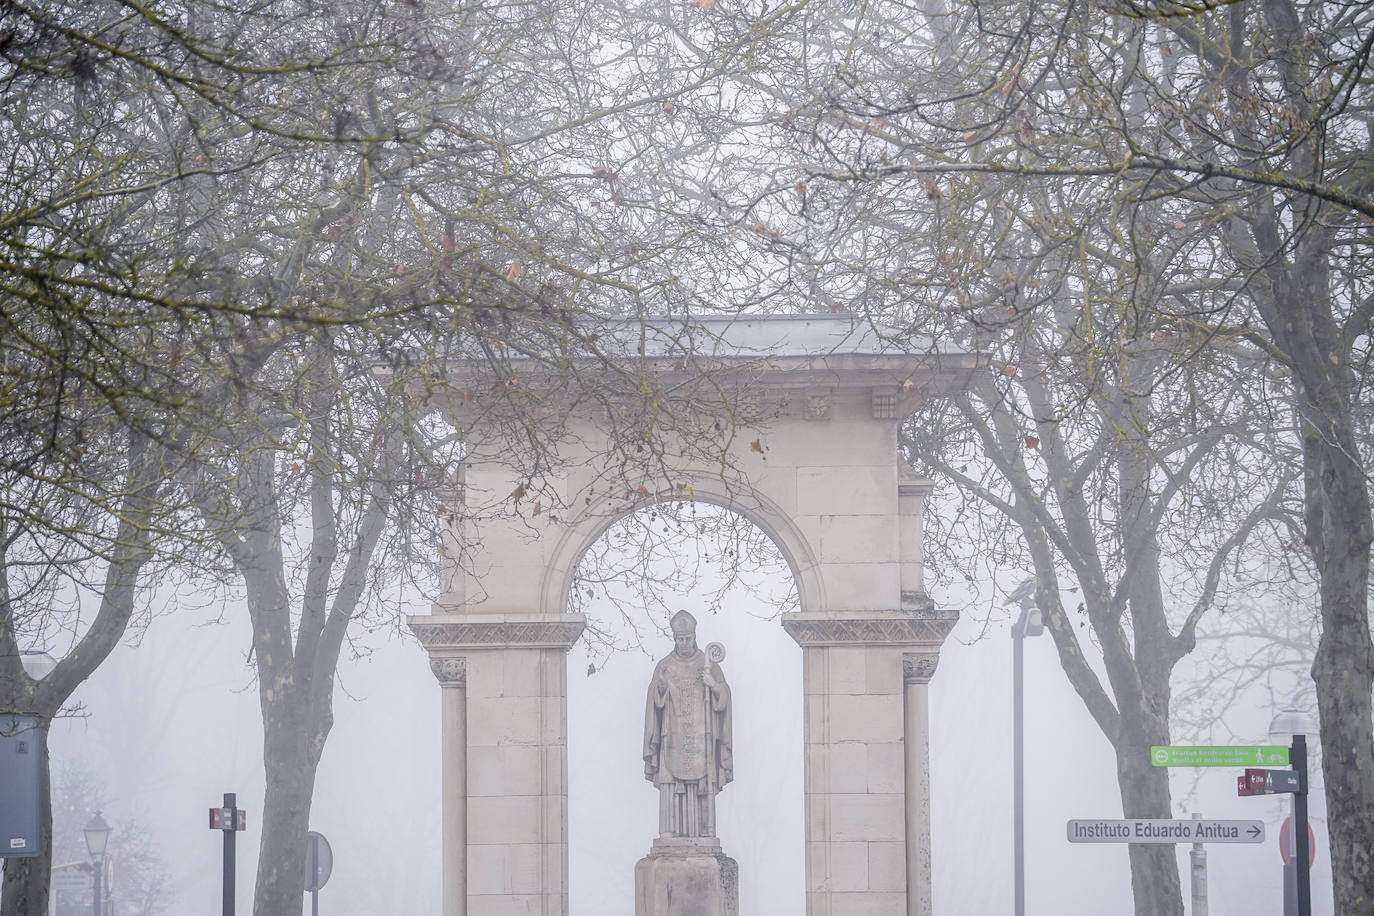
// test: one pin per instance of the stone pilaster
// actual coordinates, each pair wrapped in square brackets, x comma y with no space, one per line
[451,672]
[861,779]
[510,817]
[917,670]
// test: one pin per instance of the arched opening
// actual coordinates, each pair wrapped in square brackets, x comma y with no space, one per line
[632,576]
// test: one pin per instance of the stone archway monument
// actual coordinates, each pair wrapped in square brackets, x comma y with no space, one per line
[790,421]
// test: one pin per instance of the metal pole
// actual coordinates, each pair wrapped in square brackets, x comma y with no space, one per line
[1018,635]
[230,802]
[1290,868]
[1198,858]
[314,877]
[1297,755]
[97,903]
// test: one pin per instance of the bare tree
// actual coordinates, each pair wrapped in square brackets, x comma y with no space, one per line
[1190,170]
[48,567]
[1132,491]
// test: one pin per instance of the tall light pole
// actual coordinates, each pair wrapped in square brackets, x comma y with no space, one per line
[97,837]
[1028,624]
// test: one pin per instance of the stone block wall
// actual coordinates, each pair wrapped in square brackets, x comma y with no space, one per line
[855,781]
[517,852]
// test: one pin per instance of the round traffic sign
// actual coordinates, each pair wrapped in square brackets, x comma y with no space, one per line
[1288,843]
[319,861]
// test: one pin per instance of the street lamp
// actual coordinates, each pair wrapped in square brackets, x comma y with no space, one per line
[97,838]
[1292,725]
[1030,623]
[1291,721]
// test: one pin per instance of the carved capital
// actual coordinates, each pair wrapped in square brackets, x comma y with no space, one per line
[919,667]
[451,672]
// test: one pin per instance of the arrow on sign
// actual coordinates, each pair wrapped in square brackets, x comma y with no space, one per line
[1267,782]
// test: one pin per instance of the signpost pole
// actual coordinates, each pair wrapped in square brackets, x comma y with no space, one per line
[1298,758]
[1198,859]
[230,802]
[314,879]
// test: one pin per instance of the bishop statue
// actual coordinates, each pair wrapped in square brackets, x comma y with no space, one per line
[687,744]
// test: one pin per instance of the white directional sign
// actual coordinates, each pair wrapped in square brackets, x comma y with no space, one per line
[74,879]
[1162,830]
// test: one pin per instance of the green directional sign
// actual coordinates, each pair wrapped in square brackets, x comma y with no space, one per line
[1255,755]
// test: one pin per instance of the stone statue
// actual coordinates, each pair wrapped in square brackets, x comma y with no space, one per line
[687,743]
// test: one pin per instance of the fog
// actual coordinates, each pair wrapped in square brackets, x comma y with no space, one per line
[170,725]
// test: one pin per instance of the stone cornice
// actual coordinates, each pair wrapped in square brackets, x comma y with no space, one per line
[873,628]
[476,631]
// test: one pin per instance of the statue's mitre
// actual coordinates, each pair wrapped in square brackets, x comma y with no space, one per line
[683,622]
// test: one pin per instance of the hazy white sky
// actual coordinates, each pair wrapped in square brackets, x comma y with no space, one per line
[174,724]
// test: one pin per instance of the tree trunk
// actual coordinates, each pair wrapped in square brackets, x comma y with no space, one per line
[1300,315]
[291,756]
[27,880]
[1145,793]
[1338,500]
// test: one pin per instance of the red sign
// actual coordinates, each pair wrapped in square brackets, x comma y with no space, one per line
[1288,843]
[1253,782]
[219,819]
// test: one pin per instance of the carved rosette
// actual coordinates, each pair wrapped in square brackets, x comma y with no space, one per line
[749,408]
[817,405]
[451,672]
[919,667]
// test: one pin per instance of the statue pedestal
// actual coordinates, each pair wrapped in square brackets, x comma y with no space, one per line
[686,876]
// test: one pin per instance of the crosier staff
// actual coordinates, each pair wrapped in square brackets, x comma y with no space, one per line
[714,655]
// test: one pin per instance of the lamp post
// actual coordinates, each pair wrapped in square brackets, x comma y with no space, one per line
[1292,725]
[97,837]
[1029,623]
